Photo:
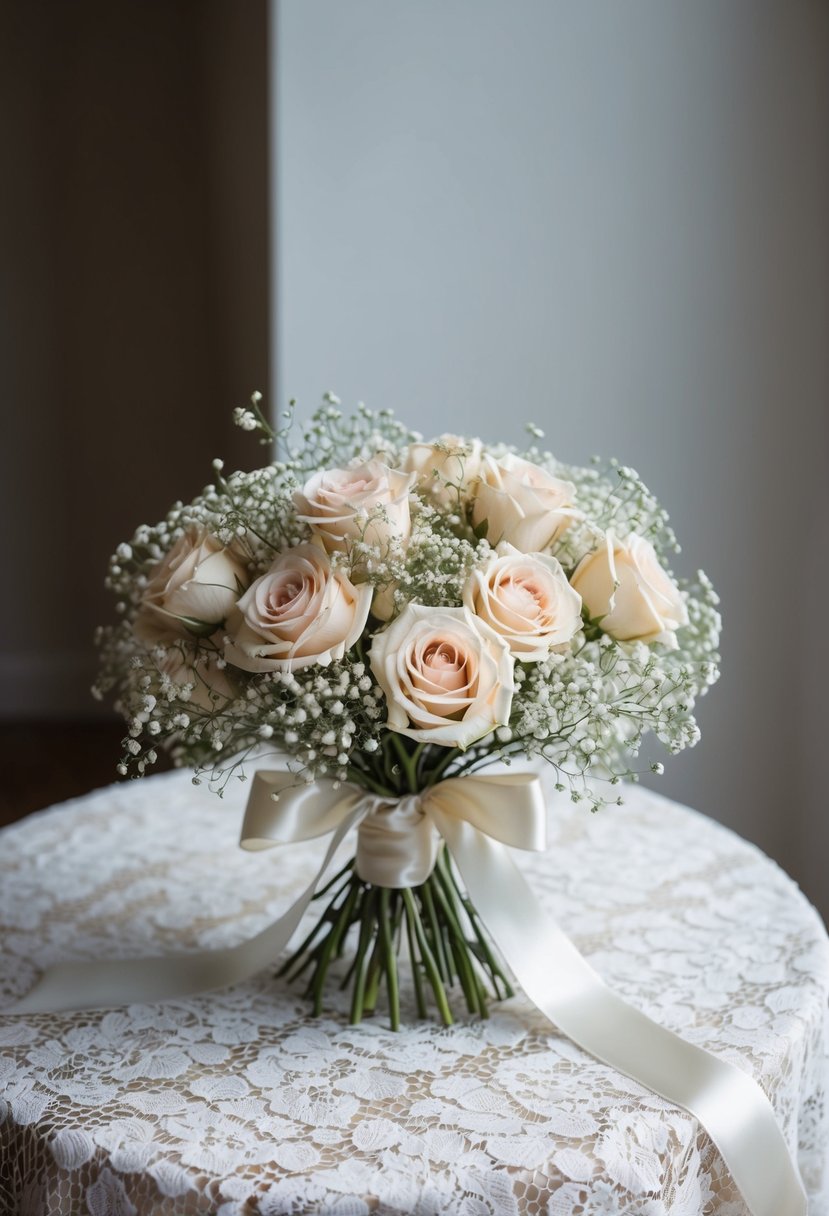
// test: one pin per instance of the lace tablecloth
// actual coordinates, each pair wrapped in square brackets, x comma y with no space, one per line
[236,1102]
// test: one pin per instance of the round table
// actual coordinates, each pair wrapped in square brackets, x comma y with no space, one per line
[237,1102]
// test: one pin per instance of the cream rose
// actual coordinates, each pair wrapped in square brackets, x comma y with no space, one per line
[522,504]
[192,589]
[627,591]
[211,686]
[367,501]
[527,599]
[302,612]
[447,676]
[446,469]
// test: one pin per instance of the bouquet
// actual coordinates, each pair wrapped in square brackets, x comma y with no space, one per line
[388,613]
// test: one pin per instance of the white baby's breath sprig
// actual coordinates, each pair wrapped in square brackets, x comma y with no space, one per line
[585,708]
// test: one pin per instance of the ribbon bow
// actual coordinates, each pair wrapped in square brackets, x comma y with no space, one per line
[477,816]
[397,838]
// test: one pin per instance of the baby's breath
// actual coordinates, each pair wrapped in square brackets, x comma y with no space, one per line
[585,711]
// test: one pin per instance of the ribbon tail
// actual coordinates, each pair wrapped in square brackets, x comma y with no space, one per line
[100,985]
[728,1103]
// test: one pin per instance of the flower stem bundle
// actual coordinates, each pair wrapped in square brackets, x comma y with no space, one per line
[434,924]
[390,613]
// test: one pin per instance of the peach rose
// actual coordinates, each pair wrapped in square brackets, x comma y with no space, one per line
[300,613]
[366,501]
[522,504]
[627,591]
[211,686]
[192,589]
[447,468]
[447,677]
[527,599]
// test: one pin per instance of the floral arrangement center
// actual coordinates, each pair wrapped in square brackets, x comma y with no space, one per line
[389,614]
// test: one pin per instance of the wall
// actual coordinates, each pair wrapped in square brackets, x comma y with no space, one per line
[133,298]
[610,219]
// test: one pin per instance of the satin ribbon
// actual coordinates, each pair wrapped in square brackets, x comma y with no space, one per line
[477,816]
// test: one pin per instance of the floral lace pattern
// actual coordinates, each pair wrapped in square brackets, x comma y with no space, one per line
[237,1102]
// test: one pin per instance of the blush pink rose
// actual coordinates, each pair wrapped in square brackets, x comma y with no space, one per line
[368,502]
[192,589]
[301,613]
[447,468]
[522,504]
[628,592]
[526,598]
[448,678]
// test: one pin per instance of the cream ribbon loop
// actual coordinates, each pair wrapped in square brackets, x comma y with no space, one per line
[397,841]
[476,816]
[397,845]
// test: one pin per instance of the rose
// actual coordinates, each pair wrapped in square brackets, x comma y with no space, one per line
[628,593]
[192,589]
[183,664]
[368,502]
[447,468]
[384,602]
[446,675]
[527,599]
[522,504]
[301,612]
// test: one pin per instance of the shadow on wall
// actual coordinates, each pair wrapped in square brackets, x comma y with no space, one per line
[134,297]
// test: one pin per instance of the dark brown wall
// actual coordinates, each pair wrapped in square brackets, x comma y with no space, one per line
[133,296]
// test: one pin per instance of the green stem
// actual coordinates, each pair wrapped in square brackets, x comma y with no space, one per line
[428,960]
[425,893]
[362,779]
[348,866]
[388,762]
[494,967]
[435,774]
[331,942]
[373,976]
[417,756]
[390,958]
[366,931]
[460,951]
[415,964]
[406,761]
[305,947]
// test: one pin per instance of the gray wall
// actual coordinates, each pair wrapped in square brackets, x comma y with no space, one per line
[610,219]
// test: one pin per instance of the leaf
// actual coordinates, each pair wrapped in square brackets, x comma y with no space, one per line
[574,1164]
[28,1107]
[374,1134]
[156,1102]
[132,1157]
[214,1089]
[107,1197]
[634,1166]
[167,1062]
[526,1152]
[346,1205]
[171,1179]
[372,1083]
[295,1156]
[71,1148]
[17,1033]
[201,629]
[444,1146]
[207,1053]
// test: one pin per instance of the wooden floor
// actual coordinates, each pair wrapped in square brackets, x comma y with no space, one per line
[46,762]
